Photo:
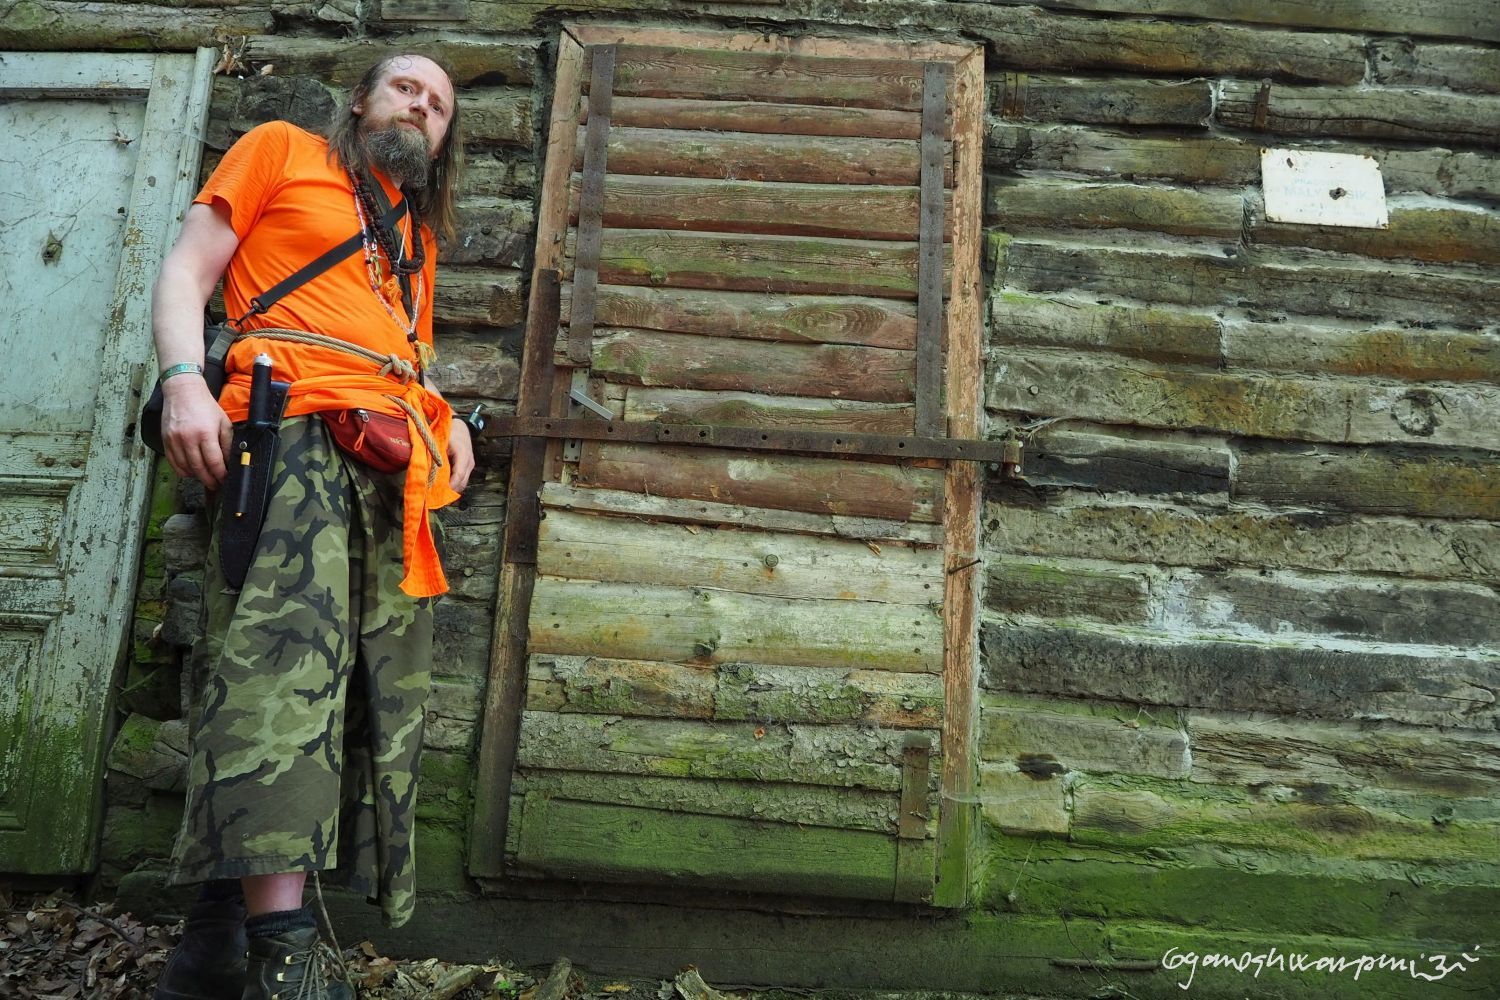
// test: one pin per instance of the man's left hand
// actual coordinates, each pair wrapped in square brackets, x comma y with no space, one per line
[460,456]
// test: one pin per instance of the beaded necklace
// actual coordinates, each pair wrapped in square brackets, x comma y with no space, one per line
[377,240]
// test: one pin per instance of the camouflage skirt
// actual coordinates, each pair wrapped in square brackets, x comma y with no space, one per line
[306,744]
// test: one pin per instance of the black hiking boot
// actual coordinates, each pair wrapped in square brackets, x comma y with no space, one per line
[293,965]
[209,962]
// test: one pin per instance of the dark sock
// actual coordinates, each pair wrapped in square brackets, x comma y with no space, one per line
[279,922]
[221,890]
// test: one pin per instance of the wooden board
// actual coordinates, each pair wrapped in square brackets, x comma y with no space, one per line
[750,409]
[820,371]
[752,156]
[817,319]
[754,116]
[819,485]
[645,505]
[752,262]
[580,546]
[699,625]
[734,692]
[870,212]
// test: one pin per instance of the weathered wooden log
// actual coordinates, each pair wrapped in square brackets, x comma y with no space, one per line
[1038,736]
[491,231]
[1223,159]
[588,547]
[643,505]
[472,366]
[605,686]
[1066,590]
[1426,483]
[1417,232]
[1313,823]
[871,212]
[1255,749]
[461,636]
[679,624]
[70,25]
[1029,206]
[238,105]
[1374,610]
[1181,536]
[1026,38]
[803,805]
[688,361]
[814,485]
[1388,293]
[753,116]
[746,262]
[1433,689]
[1120,101]
[500,115]
[748,409]
[1422,355]
[1126,460]
[1055,383]
[623,843]
[500,173]
[1140,331]
[1458,18]
[817,319]
[481,297]
[720,74]
[1403,62]
[758,693]
[742,692]
[469,59]
[843,756]
[1420,115]
[750,156]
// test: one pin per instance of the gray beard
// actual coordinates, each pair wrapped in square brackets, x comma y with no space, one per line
[401,153]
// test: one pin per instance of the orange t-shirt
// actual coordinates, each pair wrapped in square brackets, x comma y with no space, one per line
[288,204]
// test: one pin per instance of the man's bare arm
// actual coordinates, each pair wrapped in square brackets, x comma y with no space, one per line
[194,430]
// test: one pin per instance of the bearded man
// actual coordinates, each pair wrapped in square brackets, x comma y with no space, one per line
[306,742]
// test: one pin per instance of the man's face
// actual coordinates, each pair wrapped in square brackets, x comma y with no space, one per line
[413,98]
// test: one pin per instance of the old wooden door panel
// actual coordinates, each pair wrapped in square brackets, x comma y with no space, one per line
[744,244]
[99,166]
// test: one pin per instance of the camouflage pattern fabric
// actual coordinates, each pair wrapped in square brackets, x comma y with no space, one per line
[306,743]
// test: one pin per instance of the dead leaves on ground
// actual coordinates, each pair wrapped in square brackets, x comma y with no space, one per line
[54,949]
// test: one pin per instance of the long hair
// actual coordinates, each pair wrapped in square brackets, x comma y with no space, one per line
[435,203]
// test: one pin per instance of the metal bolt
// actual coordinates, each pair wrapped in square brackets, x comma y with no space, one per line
[770,560]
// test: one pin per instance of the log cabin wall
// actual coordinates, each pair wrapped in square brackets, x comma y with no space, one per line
[1240,634]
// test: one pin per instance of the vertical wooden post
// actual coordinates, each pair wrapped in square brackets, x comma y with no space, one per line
[961,494]
[501,718]
[929,417]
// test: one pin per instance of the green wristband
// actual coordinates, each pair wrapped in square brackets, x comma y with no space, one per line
[182,369]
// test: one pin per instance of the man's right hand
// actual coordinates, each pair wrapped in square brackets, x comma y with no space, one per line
[194,430]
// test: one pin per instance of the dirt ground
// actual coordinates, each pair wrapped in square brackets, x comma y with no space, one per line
[53,947]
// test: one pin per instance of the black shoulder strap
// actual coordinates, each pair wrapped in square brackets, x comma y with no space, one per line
[270,296]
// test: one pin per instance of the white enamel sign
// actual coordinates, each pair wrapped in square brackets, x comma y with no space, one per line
[1324,189]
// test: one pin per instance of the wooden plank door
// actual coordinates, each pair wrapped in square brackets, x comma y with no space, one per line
[742,667]
[102,155]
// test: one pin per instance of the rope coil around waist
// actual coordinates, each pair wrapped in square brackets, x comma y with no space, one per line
[390,364]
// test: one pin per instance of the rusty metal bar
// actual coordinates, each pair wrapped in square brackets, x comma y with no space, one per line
[591,207]
[750,438]
[930,422]
[522,504]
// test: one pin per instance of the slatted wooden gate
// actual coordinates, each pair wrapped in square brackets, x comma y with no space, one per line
[737,613]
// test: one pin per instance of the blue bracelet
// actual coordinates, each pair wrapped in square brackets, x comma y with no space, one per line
[182,369]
